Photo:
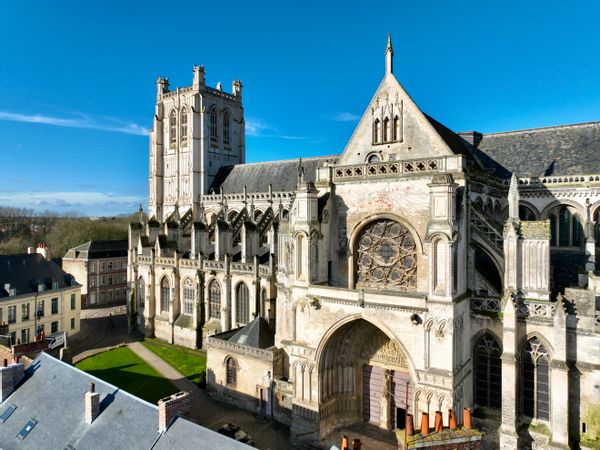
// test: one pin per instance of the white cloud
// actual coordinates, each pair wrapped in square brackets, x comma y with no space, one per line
[344,117]
[84,121]
[79,201]
[258,128]
[254,127]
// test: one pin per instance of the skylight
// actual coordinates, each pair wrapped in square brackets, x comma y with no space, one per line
[25,431]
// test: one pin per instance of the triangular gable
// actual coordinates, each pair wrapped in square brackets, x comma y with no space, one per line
[410,133]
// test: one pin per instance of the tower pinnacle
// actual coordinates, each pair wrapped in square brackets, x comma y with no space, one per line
[389,56]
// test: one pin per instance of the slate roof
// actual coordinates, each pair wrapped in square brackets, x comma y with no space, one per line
[257,334]
[99,249]
[24,271]
[184,435]
[53,394]
[561,150]
[256,177]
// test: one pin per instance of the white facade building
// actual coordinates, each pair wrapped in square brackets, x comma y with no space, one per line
[419,270]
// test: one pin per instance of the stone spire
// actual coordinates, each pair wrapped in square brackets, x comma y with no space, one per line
[389,56]
[513,198]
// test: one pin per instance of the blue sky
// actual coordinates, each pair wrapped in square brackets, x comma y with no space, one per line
[77,79]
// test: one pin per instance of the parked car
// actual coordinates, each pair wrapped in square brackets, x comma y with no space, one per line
[234,432]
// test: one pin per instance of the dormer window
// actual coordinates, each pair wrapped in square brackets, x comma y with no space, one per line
[173,127]
[183,132]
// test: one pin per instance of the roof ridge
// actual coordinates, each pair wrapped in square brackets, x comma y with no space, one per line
[539,129]
[279,161]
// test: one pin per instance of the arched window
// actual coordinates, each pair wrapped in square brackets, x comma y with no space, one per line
[565,227]
[488,372]
[214,134]
[376,131]
[226,130]
[597,227]
[141,293]
[173,127]
[242,304]
[374,158]
[232,368]
[189,295]
[165,295]
[397,130]
[525,213]
[299,256]
[386,129]
[214,299]
[183,132]
[535,380]
[386,257]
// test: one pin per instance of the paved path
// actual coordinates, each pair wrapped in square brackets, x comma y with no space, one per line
[212,414]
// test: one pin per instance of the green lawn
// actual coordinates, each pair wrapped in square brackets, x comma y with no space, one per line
[126,370]
[191,363]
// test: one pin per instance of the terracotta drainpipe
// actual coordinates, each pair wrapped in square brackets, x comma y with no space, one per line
[425,424]
[439,421]
[467,418]
[452,420]
[345,443]
[410,426]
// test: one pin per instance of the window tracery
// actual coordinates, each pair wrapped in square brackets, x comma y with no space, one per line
[189,294]
[488,372]
[214,293]
[386,257]
[535,380]
[164,295]
[184,126]
[242,305]
[226,130]
[173,127]
[214,135]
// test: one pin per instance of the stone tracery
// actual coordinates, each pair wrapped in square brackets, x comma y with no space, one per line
[387,256]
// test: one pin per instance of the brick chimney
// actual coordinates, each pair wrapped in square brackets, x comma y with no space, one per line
[171,407]
[91,404]
[9,377]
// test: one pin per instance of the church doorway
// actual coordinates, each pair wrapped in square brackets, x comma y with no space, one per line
[363,378]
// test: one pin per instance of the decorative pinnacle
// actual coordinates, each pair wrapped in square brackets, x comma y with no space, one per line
[389,55]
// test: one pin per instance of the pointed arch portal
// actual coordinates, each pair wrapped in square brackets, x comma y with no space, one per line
[363,377]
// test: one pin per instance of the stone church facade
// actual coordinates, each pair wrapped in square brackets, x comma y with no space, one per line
[419,270]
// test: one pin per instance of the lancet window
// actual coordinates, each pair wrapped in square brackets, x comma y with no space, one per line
[242,304]
[535,363]
[214,300]
[488,372]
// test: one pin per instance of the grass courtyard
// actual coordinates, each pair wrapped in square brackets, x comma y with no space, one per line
[126,370]
[191,363]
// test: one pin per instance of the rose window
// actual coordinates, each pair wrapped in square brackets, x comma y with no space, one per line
[387,257]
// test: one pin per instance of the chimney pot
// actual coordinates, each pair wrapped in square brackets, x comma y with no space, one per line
[345,443]
[452,420]
[439,421]
[467,418]
[93,387]
[425,424]
[410,426]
